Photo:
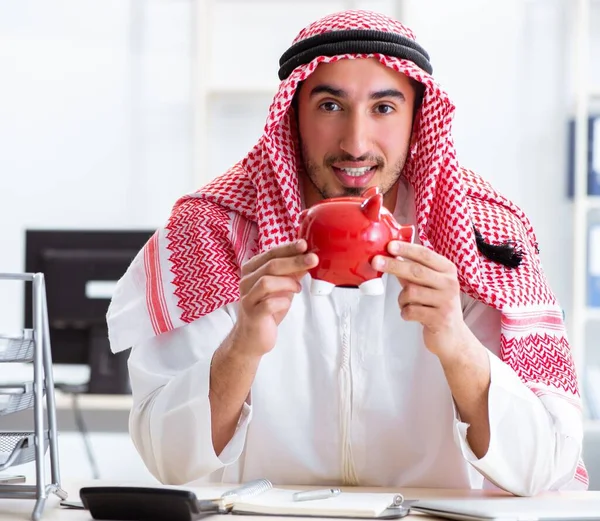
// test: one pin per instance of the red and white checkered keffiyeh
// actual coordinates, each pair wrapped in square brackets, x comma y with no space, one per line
[191,266]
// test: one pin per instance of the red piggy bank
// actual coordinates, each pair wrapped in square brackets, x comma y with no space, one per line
[346,233]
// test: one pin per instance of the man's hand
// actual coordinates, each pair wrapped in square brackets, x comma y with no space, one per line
[430,294]
[268,284]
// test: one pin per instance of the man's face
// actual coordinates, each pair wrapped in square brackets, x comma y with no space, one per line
[355,120]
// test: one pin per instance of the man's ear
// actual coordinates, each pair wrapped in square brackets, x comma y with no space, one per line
[294,104]
[419,92]
[414,135]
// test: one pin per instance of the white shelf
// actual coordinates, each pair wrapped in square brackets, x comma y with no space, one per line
[592,313]
[592,202]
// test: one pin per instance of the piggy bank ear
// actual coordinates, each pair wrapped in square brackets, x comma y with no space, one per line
[407,233]
[372,207]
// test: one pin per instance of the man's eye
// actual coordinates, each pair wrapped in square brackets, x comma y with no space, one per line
[330,106]
[384,109]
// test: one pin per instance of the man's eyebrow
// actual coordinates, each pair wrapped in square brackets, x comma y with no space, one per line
[388,93]
[341,93]
[328,89]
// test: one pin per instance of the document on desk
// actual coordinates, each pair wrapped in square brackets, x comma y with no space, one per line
[347,504]
[512,509]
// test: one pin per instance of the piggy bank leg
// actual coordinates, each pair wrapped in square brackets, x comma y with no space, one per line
[321,287]
[372,287]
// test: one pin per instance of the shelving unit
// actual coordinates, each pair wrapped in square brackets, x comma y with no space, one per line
[583,204]
[18,448]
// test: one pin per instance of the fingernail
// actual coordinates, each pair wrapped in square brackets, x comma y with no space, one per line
[300,244]
[394,247]
[310,259]
[378,263]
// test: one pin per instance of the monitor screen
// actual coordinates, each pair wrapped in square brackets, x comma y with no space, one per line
[81,269]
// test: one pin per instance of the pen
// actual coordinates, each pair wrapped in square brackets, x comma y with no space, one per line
[309,495]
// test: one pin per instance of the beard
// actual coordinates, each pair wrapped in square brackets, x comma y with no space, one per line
[321,176]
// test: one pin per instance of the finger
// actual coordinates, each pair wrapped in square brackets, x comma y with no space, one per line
[432,318]
[273,306]
[289,267]
[421,255]
[286,266]
[415,294]
[410,272]
[289,295]
[287,250]
[403,282]
[425,315]
[270,286]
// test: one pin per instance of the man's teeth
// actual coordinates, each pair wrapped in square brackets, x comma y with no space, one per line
[356,172]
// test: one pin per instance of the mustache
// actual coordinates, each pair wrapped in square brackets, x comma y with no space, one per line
[378,160]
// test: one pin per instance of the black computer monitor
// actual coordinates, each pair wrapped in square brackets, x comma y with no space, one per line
[80,267]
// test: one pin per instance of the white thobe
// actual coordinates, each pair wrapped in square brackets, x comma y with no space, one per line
[349,395]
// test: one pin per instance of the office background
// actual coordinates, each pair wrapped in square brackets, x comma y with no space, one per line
[112,109]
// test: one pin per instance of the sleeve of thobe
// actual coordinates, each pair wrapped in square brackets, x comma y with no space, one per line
[532,448]
[170,421]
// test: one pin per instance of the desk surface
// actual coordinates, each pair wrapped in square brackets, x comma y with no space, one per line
[19,509]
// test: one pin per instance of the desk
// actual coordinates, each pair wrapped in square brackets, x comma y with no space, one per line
[17,510]
[101,413]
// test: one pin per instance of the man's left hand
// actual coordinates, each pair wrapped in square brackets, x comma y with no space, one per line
[430,294]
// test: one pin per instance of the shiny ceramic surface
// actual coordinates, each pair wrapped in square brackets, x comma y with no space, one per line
[346,233]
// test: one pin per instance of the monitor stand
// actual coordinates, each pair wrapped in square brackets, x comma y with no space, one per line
[108,371]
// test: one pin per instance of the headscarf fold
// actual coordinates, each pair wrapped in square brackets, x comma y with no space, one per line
[191,267]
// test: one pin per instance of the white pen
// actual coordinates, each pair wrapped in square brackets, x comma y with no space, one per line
[322,493]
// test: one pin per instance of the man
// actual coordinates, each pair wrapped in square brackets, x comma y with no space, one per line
[459,375]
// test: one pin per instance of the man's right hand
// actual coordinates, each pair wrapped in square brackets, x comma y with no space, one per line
[267,287]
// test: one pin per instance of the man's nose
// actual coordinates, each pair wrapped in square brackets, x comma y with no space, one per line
[355,139]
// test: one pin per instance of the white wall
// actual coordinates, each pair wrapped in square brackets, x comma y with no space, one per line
[95,132]
[95,119]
